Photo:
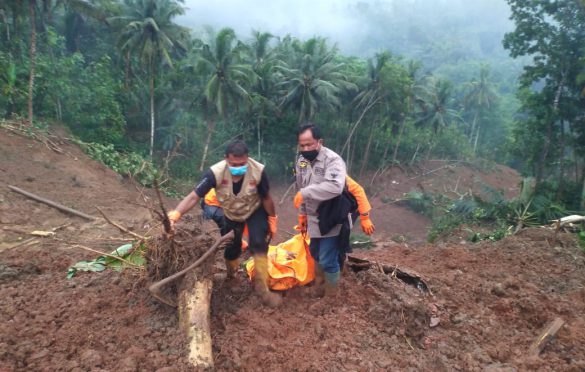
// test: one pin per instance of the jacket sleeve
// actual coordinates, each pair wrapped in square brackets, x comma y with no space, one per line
[332,185]
[359,194]
[298,184]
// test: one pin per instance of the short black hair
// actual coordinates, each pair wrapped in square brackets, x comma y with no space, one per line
[315,130]
[236,148]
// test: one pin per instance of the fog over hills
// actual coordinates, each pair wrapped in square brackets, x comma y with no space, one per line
[406,27]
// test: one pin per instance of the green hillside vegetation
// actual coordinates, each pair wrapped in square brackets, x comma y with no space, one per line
[125,75]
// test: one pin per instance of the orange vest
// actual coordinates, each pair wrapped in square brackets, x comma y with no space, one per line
[211,199]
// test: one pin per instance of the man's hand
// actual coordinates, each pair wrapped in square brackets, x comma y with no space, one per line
[302,226]
[298,200]
[273,225]
[367,225]
[173,216]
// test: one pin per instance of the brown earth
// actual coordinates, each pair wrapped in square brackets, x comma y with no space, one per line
[491,299]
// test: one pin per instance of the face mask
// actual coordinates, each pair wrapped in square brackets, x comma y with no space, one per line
[238,171]
[311,154]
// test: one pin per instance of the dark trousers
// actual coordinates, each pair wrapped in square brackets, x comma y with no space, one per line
[325,252]
[258,237]
[212,212]
[345,245]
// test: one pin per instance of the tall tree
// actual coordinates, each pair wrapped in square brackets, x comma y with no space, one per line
[552,33]
[228,79]
[263,92]
[481,96]
[33,55]
[150,32]
[436,104]
[312,79]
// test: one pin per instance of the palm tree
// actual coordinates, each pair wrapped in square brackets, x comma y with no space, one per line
[149,31]
[33,53]
[227,81]
[435,103]
[264,61]
[480,97]
[312,79]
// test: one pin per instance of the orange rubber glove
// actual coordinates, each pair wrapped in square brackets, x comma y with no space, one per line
[173,216]
[245,232]
[273,224]
[298,200]
[367,225]
[302,226]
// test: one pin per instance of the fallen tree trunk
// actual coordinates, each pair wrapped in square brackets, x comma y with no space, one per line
[194,318]
[51,203]
[194,304]
[407,276]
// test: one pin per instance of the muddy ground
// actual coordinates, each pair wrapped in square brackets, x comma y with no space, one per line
[490,300]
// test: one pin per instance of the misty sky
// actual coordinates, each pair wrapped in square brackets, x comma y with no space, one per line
[343,22]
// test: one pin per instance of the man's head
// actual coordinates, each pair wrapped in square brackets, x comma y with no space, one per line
[236,155]
[310,141]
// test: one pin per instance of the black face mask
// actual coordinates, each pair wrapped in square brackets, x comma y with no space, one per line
[310,155]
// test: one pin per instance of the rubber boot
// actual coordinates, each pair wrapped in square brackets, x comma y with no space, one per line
[331,281]
[318,288]
[232,268]
[261,282]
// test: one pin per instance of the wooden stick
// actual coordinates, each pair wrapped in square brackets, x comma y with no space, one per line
[155,288]
[24,242]
[120,227]
[105,254]
[51,203]
[286,193]
[545,336]
[165,216]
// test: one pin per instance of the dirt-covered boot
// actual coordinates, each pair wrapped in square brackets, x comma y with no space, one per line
[331,284]
[231,268]
[261,282]
[318,288]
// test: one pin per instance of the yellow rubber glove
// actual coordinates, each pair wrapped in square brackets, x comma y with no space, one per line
[273,224]
[298,200]
[367,225]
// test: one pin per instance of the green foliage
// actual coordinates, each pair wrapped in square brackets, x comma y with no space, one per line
[420,202]
[581,239]
[131,254]
[127,164]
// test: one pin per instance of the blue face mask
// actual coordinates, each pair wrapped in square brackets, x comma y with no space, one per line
[239,171]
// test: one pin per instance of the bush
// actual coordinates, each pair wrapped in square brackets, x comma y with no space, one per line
[127,164]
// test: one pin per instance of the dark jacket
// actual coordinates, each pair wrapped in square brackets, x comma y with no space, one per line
[335,211]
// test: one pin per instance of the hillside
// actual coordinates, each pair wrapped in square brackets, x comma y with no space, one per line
[487,302]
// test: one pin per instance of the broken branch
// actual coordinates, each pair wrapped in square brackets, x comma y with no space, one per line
[51,203]
[105,254]
[545,336]
[120,227]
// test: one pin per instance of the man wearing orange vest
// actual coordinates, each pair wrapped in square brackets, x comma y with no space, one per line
[243,192]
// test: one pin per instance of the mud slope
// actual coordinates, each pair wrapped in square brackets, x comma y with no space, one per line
[490,300]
